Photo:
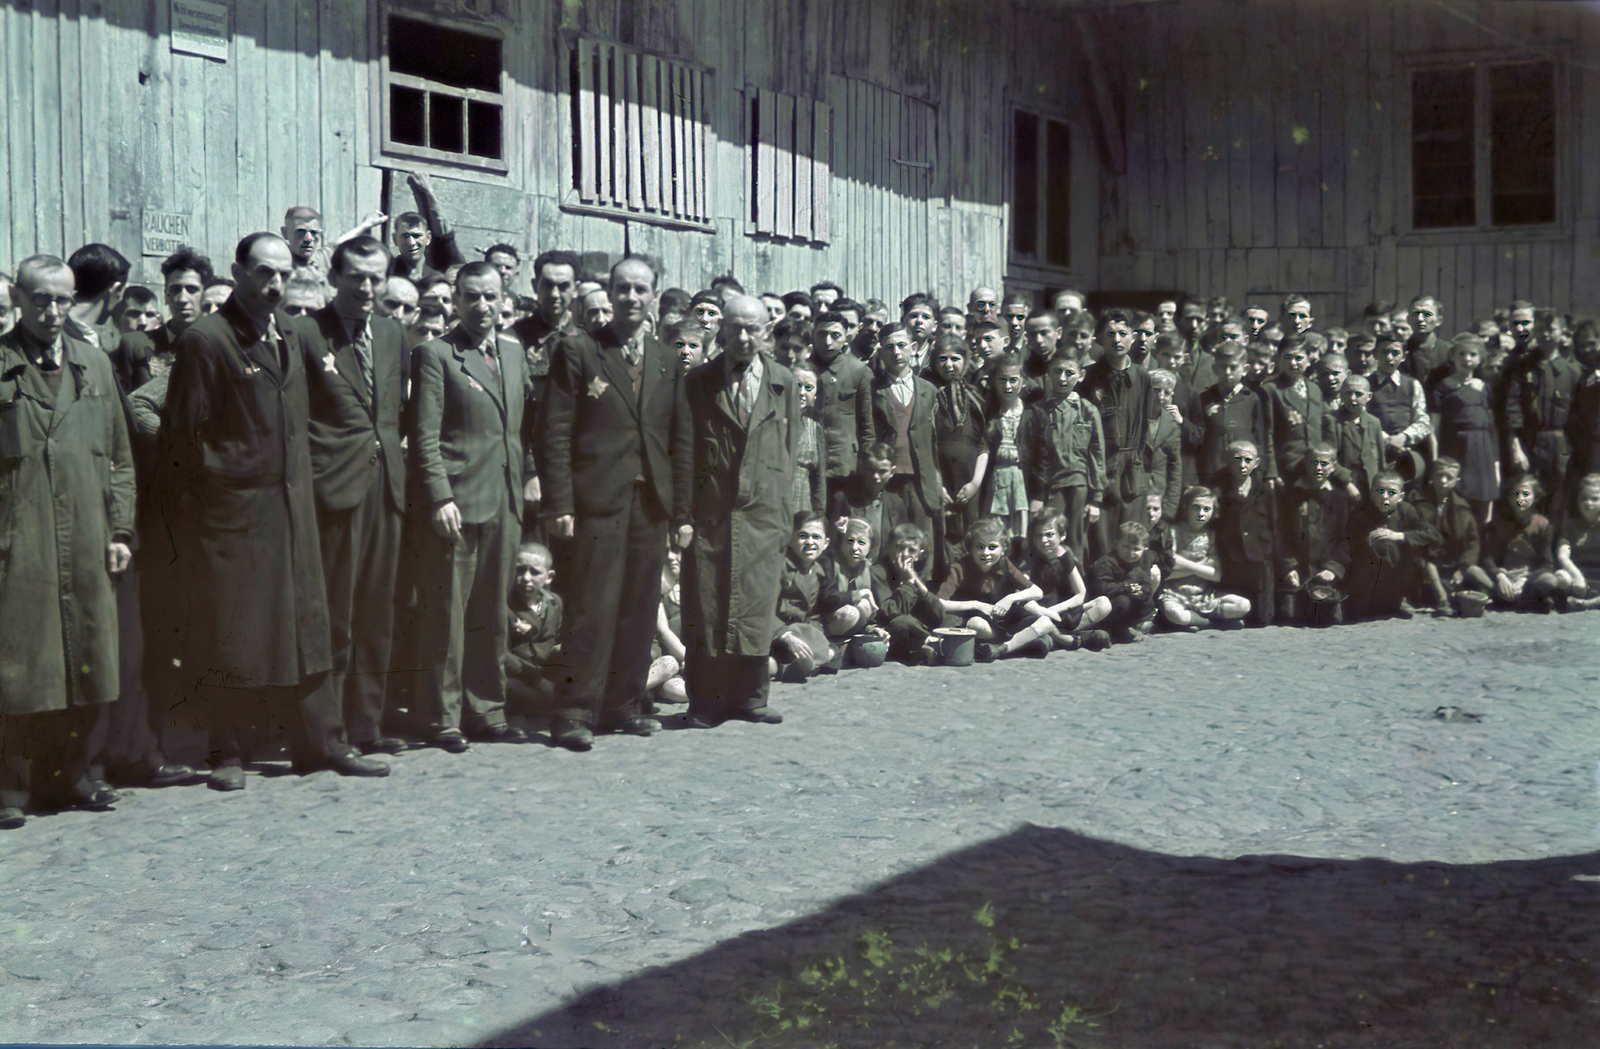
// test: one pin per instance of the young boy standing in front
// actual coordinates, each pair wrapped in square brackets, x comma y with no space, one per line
[1388,541]
[1062,451]
[1223,414]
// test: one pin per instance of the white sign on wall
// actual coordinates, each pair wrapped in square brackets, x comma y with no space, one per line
[200,27]
[162,232]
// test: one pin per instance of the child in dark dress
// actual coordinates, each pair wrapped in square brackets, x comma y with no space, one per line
[1519,556]
[985,592]
[1056,571]
[958,430]
[1463,408]
[534,633]
[1578,547]
[1247,526]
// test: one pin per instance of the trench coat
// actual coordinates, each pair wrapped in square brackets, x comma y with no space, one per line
[66,492]
[234,432]
[740,505]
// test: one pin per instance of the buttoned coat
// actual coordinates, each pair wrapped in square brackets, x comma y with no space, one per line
[591,420]
[466,434]
[234,435]
[66,488]
[919,432]
[742,516]
[351,426]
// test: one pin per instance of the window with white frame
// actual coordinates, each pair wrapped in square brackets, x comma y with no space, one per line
[443,93]
[1483,146]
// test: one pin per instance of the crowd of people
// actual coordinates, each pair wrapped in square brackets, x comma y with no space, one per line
[368,498]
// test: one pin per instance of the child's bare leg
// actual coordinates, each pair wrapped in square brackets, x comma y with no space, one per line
[1437,586]
[1035,630]
[844,621]
[1175,613]
[1093,612]
[660,671]
[1478,577]
[982,627]
[673,690]
[1231,606]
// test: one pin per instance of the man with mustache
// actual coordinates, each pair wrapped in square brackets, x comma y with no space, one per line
[235,431]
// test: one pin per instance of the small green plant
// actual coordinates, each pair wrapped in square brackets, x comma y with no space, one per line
[925,986]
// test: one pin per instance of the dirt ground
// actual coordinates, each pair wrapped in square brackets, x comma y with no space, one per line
[1381,835]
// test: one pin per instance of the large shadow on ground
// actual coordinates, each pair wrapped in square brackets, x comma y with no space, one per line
[1045,937]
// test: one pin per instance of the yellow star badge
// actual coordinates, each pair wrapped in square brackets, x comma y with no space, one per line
[597,386]
[328,365]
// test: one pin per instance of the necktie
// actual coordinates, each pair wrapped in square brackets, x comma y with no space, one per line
[490,359]
[363,344]
[633,351]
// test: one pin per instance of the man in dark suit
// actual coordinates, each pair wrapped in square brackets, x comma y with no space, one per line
[617,461]
[357,388]
[902,414]
[234,431]
[469,475]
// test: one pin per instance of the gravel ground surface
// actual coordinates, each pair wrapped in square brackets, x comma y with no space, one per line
[1382,835]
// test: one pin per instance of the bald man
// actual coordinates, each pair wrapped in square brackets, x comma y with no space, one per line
[616,471]
[746,431]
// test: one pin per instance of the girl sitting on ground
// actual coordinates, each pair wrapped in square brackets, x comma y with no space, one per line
[1057,573]
[800,644]
[1190,594]
[988,594]
[907,610]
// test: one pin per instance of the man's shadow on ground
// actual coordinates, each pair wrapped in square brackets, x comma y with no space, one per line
[1048,938]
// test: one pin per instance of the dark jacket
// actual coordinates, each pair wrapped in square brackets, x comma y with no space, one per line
[351,426]
[924,455]
[597,437]
[1312,530]
[742,518]
[844,407]
[234,431]
[1213,422]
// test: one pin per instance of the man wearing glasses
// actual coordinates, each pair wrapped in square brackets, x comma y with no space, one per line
[983,305]
[302,229]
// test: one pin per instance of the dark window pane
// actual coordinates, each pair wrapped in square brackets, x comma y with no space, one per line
[443,55]
[405,116]
[1443,161]
[483,129]
[756,173]
[1057,191]
[1025,187]
[1522,144]
[444,124]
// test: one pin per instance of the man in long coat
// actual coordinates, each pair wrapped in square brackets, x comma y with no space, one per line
[66,521]
[235,430]
[746,431]
[616,462]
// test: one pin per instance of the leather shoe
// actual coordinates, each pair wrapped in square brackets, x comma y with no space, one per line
[571,734]
[637,725]
[97,798]
[11,819]
[450,740]
[698,721]
[349,763]
[382,745]
[759,715]
[226,777]
[170,776]
[498,734]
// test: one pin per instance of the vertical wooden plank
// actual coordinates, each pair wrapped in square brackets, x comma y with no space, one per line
[73,86]
[635,148]
[44,66]
[588,129]
[1194,68]
[605,124]
[650,117]
[1261,132]
[673,75]
[784,166]
[766,161]
[1330,170]
[822,171]
[805,148]
[702,110]
[1560,270]
[1541,275]
[219,167]
[1460,308]
[307,185]
[1523,283]
[1360,181]
[1384,95]
[9,29]
[1305,135]
[189,155]
[248,82]
[1484,299]
[340,116]
[684,140]
[617,86]
[1235,277]
[1427,281]
[1214,150]
[1236,134]
[284,136]
[1408,274]
[1284,116]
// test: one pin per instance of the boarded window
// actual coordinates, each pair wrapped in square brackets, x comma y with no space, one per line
[640,136]
[791,162]
[1483,146]
[1041,201]
[443,93]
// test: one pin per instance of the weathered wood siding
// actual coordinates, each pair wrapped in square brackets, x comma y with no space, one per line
[104,120]
[1268,144]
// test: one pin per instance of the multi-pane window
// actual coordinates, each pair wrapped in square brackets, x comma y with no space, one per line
[1041,201]
[640,136]
[443,93]
[1483,146]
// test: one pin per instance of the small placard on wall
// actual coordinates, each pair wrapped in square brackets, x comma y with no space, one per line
[161,232]
[200,27]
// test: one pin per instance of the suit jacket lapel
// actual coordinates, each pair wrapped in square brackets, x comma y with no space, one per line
[655,369]
[345,359]
[477,370]
[616,369]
